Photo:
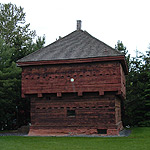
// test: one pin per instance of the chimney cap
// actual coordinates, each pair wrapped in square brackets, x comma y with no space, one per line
[79,24]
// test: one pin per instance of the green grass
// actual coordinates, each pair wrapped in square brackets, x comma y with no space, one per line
[138,140]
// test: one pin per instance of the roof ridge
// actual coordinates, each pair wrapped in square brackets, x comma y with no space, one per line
[104,43]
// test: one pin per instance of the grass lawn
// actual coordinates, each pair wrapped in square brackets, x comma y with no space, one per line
[138,140]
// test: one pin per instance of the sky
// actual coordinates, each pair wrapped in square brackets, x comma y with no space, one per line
[107,20]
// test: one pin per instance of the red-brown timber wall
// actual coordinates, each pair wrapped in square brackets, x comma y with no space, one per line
[95,96]
[92,112]
[89,77]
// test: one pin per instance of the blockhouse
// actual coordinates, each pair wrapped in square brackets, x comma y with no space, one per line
[76,86]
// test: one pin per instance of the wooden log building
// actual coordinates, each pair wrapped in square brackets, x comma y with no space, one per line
[76,86]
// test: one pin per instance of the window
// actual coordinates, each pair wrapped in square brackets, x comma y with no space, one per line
[71,113]
[102,131]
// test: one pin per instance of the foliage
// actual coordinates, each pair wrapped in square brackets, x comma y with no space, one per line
[137,103]
[120,47]
[138,140]
[16,41]
[12,24]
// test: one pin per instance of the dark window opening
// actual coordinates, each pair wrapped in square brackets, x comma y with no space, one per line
[71,113]
[81,75]
[102,131]
[48,98]
[100,74]
[44,108]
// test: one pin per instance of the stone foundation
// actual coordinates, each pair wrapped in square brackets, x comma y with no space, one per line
[48,131]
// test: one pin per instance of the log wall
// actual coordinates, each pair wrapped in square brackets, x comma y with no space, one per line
[92,113]
[83,98]
[89,77]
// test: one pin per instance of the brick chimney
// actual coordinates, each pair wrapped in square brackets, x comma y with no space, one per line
[79,24]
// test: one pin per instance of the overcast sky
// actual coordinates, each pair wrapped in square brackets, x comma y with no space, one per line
[107,20]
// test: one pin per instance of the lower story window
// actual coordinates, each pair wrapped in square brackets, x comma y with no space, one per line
[71,113]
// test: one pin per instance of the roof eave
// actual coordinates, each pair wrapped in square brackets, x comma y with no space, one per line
[120,58]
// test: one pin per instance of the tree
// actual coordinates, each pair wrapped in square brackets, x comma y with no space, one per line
[16,33]
[9,86]
[120,47]
[145,79]
[138,86]
[12,24]
[16,41]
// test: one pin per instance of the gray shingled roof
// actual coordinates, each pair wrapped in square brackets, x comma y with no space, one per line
[78,44]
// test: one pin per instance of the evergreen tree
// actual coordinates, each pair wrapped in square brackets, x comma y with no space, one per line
[16,41]
[145,79]
[120,47]
[137,103]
